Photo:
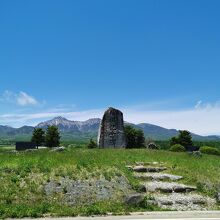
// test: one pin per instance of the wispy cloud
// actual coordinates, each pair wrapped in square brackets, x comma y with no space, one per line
[207,105]
[203,118]
[198,104]
[32,119]
[21,98]
[24,99]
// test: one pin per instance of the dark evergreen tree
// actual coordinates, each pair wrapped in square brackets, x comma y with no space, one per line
[52,138]
[184,138]
[38,136]
[130,136]
[140,139]
[174,141]
[134,137]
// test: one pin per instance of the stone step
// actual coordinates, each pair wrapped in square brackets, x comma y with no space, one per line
[149,163]
[157,176]
[167,187]
[179,201]
[146,169]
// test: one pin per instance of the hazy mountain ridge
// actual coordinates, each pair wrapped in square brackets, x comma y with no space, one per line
[66,125]
[89,128]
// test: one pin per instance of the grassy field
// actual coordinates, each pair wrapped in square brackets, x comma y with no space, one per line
[24,174]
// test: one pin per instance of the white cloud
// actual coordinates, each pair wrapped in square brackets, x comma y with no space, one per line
[24,99]
[204,120]
[32,119]
[198,104]
[21,98]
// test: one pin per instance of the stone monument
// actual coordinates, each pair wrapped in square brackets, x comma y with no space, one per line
[111,130]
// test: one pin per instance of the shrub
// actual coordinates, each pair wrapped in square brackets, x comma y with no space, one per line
[92,144]
[209,150]
[177,148]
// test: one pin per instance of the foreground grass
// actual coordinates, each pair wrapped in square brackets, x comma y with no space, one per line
[23,176]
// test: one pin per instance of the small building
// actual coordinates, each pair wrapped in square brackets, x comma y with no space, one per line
[24,145]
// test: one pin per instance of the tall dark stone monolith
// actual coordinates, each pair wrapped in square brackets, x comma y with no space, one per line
[111,131]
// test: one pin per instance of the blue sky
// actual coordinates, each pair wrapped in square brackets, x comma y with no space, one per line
[158,61]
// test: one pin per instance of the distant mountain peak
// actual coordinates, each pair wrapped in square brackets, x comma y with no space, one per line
[89,128]
[66,125]
[60,118]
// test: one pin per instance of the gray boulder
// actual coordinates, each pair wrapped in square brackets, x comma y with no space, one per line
[218,197]
[152,146]
[111,130]
[134,199]
[58,149]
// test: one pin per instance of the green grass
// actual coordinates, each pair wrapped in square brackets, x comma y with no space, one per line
[6,148]
[23,175]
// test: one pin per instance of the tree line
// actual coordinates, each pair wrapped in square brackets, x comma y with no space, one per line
[135,139]
[49,138]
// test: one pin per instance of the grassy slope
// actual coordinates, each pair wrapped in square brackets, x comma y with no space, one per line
[22,176]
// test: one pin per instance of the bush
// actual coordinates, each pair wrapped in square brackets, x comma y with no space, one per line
[92,144]
[177,148]
[209,150]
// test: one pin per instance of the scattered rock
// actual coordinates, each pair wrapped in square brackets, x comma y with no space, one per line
[129,167]
[77,192]
[157,176]
[58,149]
[197,154]
[111,131]
[218,197]
[141,188]
[148,163]
[30,150]
[148,169]
[168,187]
[12,152]
[134,199]
[140,163]
[152,146]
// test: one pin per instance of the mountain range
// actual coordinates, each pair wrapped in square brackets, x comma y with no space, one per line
[83,130]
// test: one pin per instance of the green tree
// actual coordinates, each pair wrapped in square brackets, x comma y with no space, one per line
[134,137]
[140,139]
[38,136]
[92,144]
[130,136]
[174,141]
[52,137]
[184,138]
